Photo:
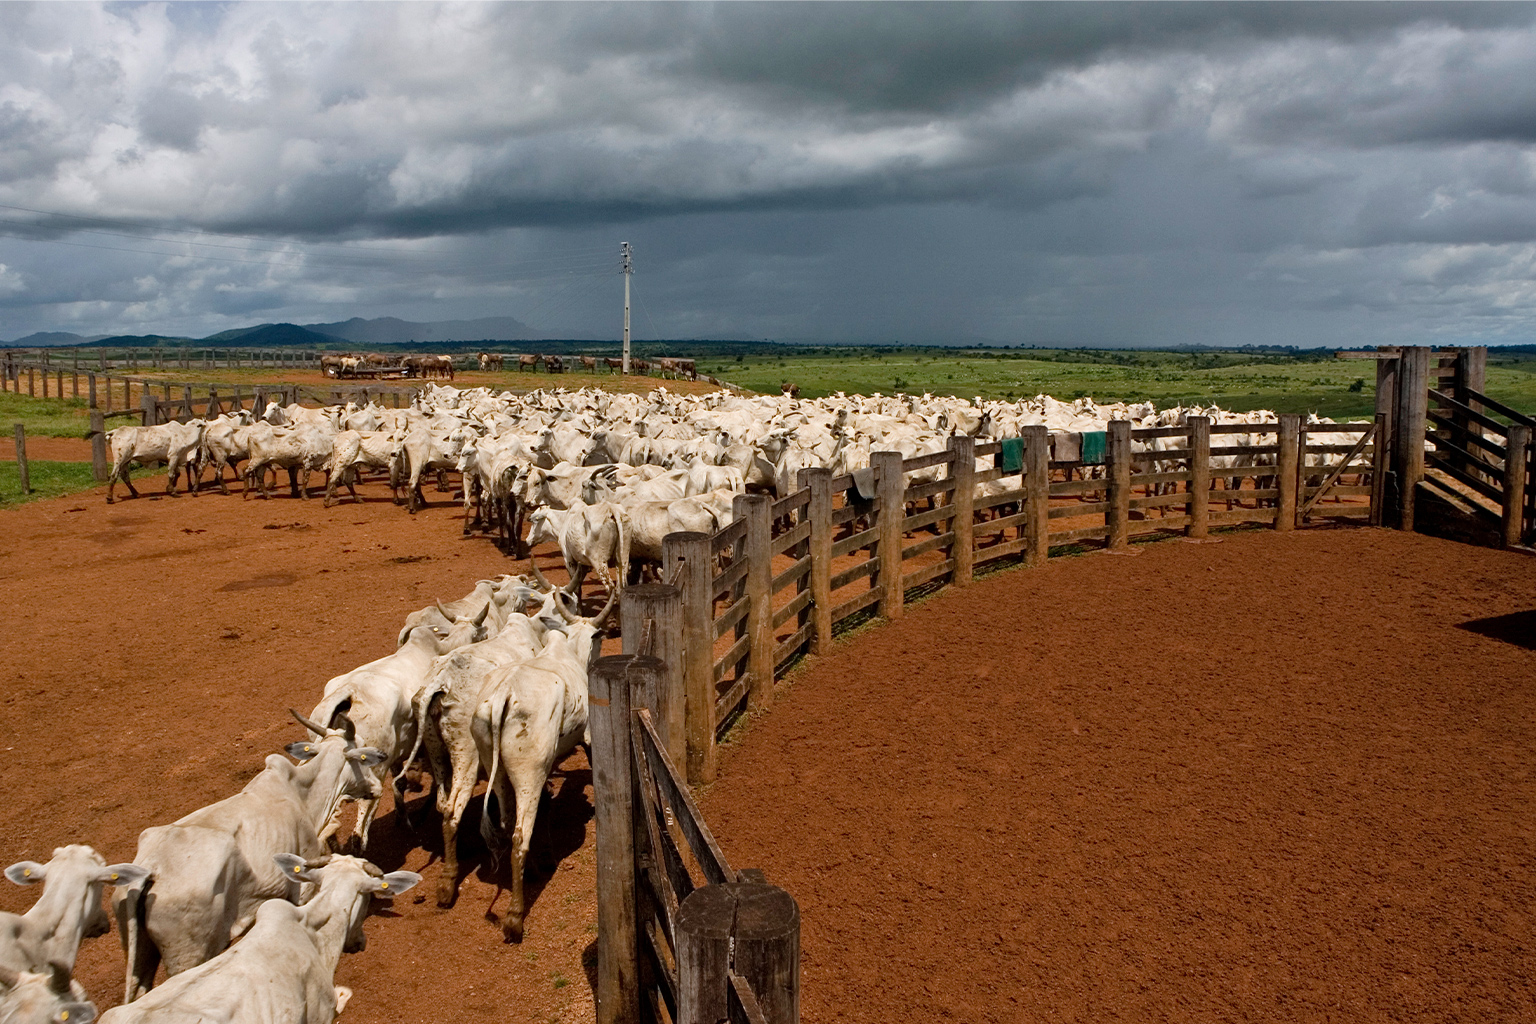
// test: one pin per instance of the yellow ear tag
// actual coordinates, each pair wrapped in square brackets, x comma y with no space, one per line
[63,1015]
[114,876]
[383,886]
[26,872]
[297,868]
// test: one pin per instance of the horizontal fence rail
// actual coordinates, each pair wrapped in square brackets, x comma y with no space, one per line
[787,574]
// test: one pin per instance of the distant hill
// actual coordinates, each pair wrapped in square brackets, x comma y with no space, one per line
[392,331]
[142,340]
[274,336]
[50,339]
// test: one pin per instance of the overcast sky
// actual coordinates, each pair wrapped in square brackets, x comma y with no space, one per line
[1150,174]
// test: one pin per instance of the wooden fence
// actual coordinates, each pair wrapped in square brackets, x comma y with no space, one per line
[133,360]
[682,936]
[785,575]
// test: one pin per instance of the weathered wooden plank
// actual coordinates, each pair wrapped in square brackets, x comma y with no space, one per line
[854,605]
[929,572]
[855,572]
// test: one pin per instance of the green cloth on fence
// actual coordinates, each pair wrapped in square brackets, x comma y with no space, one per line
[1013,455]
[1094,443]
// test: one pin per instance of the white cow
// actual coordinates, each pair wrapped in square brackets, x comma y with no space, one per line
[590,537]
[284,970]
[47,937]
[41,997]
[531,715]
[175,444]
[377,698]
[210,870]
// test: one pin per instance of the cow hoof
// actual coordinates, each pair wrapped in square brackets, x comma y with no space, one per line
[111,500]
[512,931]
[446,896]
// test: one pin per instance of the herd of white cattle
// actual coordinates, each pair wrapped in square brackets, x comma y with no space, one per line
[483,687]
[606,476]
[242,903]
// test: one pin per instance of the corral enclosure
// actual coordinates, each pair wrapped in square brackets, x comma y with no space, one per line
[754,634]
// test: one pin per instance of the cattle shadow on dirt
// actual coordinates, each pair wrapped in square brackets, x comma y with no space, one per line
[1518,628]
[560,831]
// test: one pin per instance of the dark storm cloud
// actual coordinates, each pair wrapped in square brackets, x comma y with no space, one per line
[1131,172]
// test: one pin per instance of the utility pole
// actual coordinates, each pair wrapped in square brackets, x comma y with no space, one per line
[629,268]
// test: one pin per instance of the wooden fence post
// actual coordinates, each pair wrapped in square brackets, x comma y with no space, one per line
[45,382]
[1117,474]
[962,470]
[618,946]
[1410,420]
[1037,494]
[1517,442]
[76,381]
[1288,471]
[90,381]
[819,511]
[1380,462]
[1199,504]
[31,383]
[688,556]
[22,469]
[756,509]
[751,926]
[891,486]
[148,407]
[657,609]
[99,445]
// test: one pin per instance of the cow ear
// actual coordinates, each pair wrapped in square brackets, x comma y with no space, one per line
[295,867]
[74,1013]
[124,874]
[370,757]
[302,752]
[26,872]
[394,883]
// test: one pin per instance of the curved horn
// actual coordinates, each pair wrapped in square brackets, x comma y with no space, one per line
[444,612]
[318,730]
[58,978]
[559,596]
[576,619]
[480,619]
[533,563]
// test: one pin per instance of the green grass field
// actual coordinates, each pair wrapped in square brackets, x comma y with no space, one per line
[45,417]
[48,479]
[1233,380]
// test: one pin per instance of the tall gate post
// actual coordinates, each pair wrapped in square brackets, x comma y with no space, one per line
[1037,494]
[1288,472]
[618,945]
[657,609]
[148,407]
[819,512]
[686,557]
[1517,442]
[757,547]
[962,470]
[890,485]
[99,468]
[1117,473]
[1198,508]
[1408,429]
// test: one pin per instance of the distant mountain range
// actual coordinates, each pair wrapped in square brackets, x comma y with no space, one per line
[357,331]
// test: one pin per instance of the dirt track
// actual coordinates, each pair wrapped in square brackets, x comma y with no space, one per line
[1276,778]
[150,651]
[1262,779]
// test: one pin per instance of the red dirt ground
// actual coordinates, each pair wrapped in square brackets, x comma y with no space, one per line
[151,650]
[1275,778]
[1163,787]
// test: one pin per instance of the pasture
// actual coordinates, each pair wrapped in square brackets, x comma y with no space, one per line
[1241,382]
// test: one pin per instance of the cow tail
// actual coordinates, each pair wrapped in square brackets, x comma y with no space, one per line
[498,719]
[130,922]
[618,521]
